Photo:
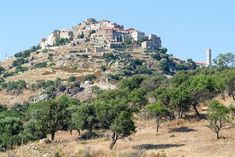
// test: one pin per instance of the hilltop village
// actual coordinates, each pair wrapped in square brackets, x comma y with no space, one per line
[102,35]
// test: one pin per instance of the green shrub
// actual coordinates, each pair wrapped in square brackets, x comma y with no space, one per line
[90,77]
[40,65]
[13,86]
[109,57]
[26,53]
[8,74]
[19,68]
[19,61]
[61,41]
[2,70]
[72,78]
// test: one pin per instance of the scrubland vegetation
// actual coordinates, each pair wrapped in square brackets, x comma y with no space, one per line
[177,91]
[113,110]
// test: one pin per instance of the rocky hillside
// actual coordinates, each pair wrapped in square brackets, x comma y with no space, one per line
[78,70]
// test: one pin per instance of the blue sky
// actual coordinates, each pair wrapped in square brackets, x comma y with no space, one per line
[187,27]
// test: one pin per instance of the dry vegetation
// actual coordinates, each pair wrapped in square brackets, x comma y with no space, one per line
[178,138]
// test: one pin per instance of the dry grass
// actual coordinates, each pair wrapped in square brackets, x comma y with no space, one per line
[175,139]
[11,99]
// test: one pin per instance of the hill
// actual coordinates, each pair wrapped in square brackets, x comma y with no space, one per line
[83,60]
[98,89]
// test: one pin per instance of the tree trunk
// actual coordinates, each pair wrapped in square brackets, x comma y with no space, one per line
[52,136]
[112,144]
[195,108]
[158,121]
[114,140]
[79,132]
[217,135]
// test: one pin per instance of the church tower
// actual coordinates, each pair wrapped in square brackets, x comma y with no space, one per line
[208,58]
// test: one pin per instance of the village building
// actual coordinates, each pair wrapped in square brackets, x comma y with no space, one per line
[137,35]
[102,34]
[148,45]
[153,43]
[155,39]
[66,34]
[108,35]
[50,41]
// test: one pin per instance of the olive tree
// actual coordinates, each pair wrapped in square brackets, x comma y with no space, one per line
[159,112]
[218,116]
[122,127]
[52,115]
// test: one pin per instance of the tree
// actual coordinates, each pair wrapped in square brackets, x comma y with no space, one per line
[128,41]
[191,64]
[225,60]
[52,115]
[156,56]
[201,88]
[61,41]
[9,131]
[218,115]
[231,87]
[73,106]
[159,112]
[131,83]
[85,117]
[164,65]
[138,98]
[122,127]
[179,99]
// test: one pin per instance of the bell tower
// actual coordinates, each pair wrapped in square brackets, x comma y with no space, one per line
[208,58]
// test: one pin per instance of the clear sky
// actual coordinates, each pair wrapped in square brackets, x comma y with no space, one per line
[187,27]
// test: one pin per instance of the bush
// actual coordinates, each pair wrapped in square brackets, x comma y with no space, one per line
[90,77]
[2,70]
[8,74]
[19,61]
[26,53]
[42,84]
[40,65]
[109,57]
[103,68]
[61,41]
[96,90]
[19,68]
[72,78]
[156,56]
[11,126]
[17,86]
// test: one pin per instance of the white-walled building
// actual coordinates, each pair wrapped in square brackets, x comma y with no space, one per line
[50,41]
[137,35]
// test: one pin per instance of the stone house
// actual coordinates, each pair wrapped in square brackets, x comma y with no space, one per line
[137,35]
[108,35]
[66,34]
[152,43]
[47,42]
[155,39]
[148,45]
